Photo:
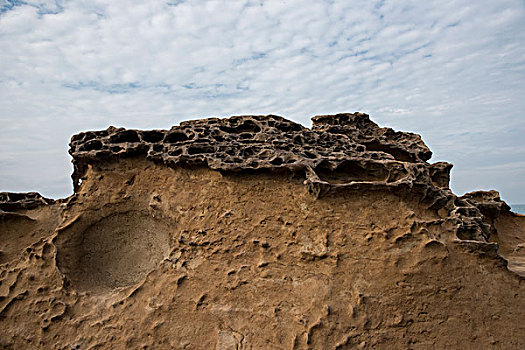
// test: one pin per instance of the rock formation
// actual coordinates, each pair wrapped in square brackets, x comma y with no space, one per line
[254,232]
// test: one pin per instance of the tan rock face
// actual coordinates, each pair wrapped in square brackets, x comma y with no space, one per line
[116,250]
[199,238]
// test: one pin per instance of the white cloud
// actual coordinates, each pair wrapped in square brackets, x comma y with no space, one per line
[452,71]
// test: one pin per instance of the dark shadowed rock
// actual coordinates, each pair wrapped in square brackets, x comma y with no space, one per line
[11,201]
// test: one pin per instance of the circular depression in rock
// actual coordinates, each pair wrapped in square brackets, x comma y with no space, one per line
[117,251]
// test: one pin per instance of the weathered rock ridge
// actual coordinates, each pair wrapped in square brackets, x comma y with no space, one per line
[343,152]
[254,232]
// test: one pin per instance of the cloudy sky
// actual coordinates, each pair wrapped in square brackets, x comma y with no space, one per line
[452,71]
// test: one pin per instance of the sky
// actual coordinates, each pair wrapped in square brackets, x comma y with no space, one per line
[451,71]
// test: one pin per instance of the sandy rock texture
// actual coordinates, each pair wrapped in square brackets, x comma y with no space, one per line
[254,232]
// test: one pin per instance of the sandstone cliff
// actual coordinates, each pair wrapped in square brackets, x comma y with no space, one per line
[254,232]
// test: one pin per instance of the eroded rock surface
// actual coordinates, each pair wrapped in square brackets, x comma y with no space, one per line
[341,153]
[254,232]
[344,151]
[10,201]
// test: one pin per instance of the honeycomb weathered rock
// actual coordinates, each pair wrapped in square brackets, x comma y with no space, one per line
[342,152]
[15,201]
[256,232]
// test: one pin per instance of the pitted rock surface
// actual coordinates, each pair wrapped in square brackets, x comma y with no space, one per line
[488,202]
[256,232]
[10,201]
[343,151]
[403,146]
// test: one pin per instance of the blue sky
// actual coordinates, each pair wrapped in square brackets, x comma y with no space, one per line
[452,71]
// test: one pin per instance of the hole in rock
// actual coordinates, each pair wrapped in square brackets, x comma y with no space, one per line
[349,171]
[125,136]
[176,136]
[117,251]
[92,145]
[398,154]
[288,127]
[152,136]
[248,126]
[277,161]
[198,149]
